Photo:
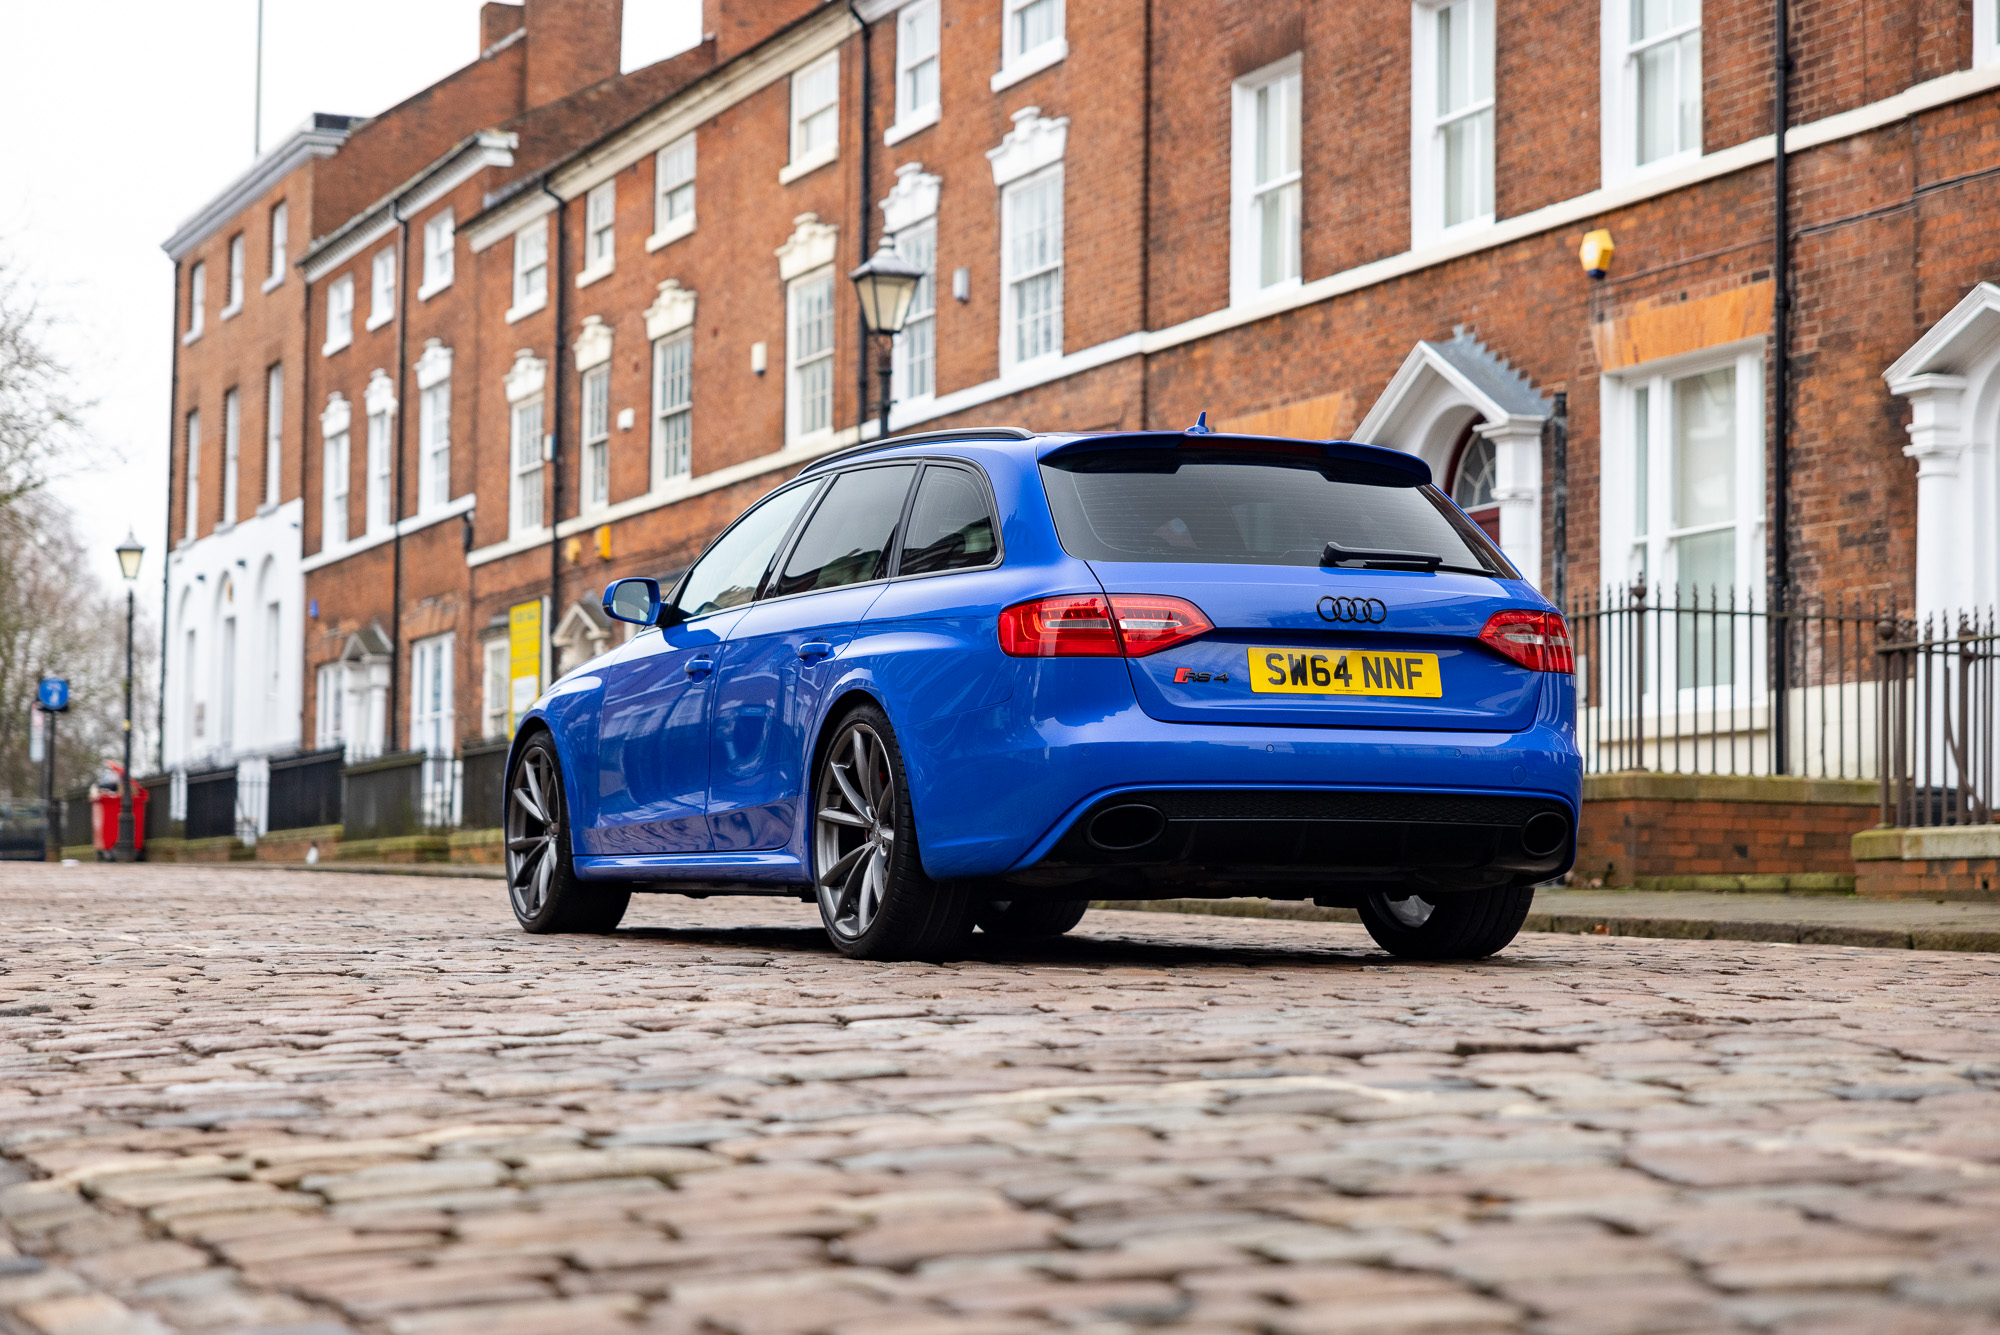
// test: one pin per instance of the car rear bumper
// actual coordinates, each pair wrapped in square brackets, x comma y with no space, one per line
[999,791]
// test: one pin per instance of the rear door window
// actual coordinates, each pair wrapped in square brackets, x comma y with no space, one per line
[1241,507]
[847,539]
[951,524]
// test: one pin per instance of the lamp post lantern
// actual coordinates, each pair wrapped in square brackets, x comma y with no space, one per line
[886,285]
[130,553]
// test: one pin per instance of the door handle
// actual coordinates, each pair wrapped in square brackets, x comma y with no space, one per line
[814,650]
[700,667]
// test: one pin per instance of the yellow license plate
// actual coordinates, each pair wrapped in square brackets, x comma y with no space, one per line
[1344,672]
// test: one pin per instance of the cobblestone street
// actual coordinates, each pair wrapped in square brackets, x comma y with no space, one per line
[236,1100]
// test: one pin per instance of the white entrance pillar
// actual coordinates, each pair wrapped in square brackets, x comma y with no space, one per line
[1937,442]
[1517,486]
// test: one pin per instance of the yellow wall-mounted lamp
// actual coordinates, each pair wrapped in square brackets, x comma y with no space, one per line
[1596,253]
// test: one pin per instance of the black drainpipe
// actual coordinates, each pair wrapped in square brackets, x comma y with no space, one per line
[553,430]
[396,474]
[1145,201]
[867,135]
[167,556]
[1781,387]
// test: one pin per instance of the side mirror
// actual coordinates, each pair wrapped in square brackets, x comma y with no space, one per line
[633,600]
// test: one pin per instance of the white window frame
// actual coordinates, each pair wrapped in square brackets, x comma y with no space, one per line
[674,170]
[673,408]
[1619,80]
[274,666]
[1009,276]
[600,232]
[274,431]
[1985,33]
[329,705]
[280,240]
[433,715]
[197,301]
[434,446]
[225,685]
[1618,518]
[595,402]
[531,270]
[806,158]
[238,247]
[495,658]
[191,428]
[1246,196]
[440,240]
[800,429]
[232,453]
[337,473]
[527,454]
[918,33]
[378,480]
[339,314]
[1017,62]
[918,244]
[381,288]
[1428,158]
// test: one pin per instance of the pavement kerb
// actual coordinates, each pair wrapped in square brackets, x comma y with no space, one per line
[1696,920]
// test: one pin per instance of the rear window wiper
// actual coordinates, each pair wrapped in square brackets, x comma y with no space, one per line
[1369,559]
[1334,554]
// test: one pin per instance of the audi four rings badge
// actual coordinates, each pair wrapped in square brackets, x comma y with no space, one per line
[1371,611]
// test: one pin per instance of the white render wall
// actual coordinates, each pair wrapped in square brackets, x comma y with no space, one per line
[235,572]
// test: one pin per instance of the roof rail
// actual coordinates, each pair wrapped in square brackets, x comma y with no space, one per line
[919,438]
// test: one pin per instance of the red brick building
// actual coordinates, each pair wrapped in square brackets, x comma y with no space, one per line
[1353,220]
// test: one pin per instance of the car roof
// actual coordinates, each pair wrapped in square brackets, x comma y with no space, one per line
[1391,466]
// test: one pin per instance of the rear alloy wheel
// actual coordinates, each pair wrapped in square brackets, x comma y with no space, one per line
[1461,925]
[541,881]
[874,898]
[1030,919]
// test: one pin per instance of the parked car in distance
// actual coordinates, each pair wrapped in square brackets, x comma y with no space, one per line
[23,831]
[986,676]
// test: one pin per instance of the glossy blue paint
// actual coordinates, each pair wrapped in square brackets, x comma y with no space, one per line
[705,777]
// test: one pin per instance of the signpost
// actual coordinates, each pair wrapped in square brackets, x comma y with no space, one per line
[51,699]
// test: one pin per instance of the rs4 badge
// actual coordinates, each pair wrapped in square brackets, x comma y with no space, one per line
[1189,674]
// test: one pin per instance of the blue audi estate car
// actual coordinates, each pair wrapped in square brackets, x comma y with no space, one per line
[982,677]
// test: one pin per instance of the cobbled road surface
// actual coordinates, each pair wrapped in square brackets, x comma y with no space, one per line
[239,1100]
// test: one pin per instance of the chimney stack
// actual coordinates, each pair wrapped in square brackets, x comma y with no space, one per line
[496,20]
[571,45]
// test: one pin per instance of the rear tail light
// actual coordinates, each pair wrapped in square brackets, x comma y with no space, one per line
[1089,625]
[1538,641]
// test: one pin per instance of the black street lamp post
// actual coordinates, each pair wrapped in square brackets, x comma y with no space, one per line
[886,285]
[130,552]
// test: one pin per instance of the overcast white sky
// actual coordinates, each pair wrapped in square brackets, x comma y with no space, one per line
[124,117]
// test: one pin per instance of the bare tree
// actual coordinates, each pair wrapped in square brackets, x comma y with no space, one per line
[41,430]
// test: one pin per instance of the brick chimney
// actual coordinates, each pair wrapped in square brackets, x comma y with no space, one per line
[496,20]
[571,45]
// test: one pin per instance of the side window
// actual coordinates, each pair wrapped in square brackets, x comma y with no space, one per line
[951,526]
[728,574]
[847,539]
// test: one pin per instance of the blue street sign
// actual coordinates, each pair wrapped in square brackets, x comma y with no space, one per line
[54,693]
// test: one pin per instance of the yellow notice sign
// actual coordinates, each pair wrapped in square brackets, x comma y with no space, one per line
[524,659]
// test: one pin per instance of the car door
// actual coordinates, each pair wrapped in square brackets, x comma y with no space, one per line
[653,746]
[775,664]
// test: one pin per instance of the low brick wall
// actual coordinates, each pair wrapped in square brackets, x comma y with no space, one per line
[221,848]
[1951,862]
[293,845]
[1704,832]
[396,848]
[481,847]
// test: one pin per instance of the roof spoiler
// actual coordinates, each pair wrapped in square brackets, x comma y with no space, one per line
[1374,465]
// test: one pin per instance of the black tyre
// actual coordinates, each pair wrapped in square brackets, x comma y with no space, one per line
[1029,919]
[541,880]
[1466,925]
[874,898]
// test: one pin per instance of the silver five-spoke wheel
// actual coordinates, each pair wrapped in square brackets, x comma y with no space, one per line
[854,829]
[534,821]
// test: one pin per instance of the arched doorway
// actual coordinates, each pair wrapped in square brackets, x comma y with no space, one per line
[1470,479]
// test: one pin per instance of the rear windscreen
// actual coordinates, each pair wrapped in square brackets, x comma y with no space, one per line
[1247,509]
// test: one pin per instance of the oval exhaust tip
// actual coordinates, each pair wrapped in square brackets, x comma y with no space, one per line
[1120,829]
[1544,834]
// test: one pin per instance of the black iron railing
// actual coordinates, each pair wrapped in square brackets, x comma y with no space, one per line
[305,790]
[1718,681]
[1937,721]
